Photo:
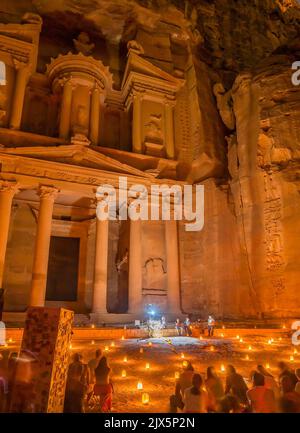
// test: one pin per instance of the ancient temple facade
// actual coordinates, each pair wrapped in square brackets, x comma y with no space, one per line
[153,108]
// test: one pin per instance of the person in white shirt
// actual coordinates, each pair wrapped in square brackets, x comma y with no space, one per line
[195,398]
[210,326]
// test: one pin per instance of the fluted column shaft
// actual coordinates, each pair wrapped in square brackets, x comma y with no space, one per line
[65,113]
[101,262]
[135,268]
[7,192]
[42,245]
[173,275]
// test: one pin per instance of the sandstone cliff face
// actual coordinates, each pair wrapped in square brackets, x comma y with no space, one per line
[245,145]
[264,160]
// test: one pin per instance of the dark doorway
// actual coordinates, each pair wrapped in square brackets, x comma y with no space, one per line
[63,269]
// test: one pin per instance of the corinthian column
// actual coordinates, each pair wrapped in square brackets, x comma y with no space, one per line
[101,259]
[7,192]
[169,128]
[95,116]
[137,145]
[135,269]
[19,94]
[42,244]
[173,278]
[65,112]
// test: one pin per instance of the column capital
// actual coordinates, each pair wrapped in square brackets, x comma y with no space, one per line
[48,192]
[19,64]
[8,186]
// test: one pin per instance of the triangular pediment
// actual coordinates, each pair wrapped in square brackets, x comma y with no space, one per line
[76,155]
[139,65]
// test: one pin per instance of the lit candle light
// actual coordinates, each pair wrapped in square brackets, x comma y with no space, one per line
[145,398]
[237,337]
[182,356]
[222,368]
[200,338]
[139,385]
[247,357]
[222,335]
[269,341]
[283,326]
[291,358]
[177,374]
[124,374]
[147,366]
[250,348]
[70,346]
[93,342]
[112,344]
[185,364]
[295,352]
[267,365]
[93,326]
[106,348]
[125,359]
[123,338]
[241,340]
[223,327]
[10,340]
[141,350]
[212,348]
[280,339]
[150,343]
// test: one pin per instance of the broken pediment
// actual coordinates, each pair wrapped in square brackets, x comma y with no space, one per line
[77,155]
[138,66]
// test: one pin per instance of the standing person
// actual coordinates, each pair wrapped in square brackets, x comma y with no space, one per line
[270,382]
[92,365]
[290,398]
[195,398]
[236,385]
[261,399]
[178,327]
[103,387]
[210,326]
[284,370]
[185,381]
[187,327]
[214,387]
[76,387]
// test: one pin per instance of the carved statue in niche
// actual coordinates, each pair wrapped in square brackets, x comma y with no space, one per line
[154,273]
[83,44]
[135,47]
[81,123]
[225,105]
[268,154]
[120,262]
[153,129]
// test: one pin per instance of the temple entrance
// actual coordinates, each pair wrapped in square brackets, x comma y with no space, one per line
[62,280]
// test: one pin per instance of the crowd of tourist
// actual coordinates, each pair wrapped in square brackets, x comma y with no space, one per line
[89,388]
[193,394]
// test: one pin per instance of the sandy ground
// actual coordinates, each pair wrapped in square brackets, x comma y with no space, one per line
[165,358]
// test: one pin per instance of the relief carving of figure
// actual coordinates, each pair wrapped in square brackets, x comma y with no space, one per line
[81,124]
[83,44]
[153,129]
[225,105]
[135,47]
